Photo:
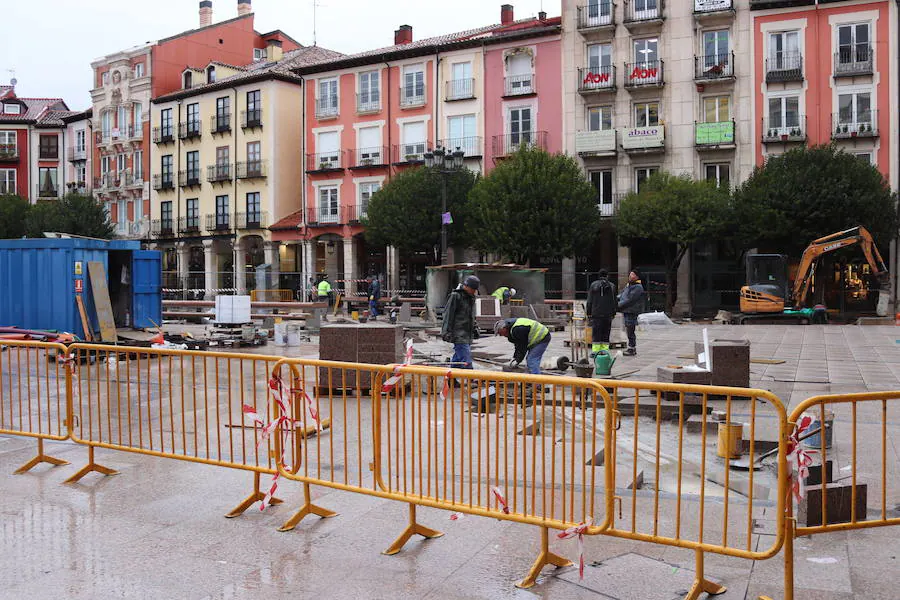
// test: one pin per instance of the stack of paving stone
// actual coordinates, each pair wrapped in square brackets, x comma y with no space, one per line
[372,343]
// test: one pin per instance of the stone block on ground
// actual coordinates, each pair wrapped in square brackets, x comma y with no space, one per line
[838,504]
[730,362]
[372,343]
[815,474]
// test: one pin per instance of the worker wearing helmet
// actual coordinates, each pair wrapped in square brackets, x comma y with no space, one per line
[529,337]
[458,327]
[504,294]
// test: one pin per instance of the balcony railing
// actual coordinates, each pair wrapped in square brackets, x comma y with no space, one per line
[593,16]
[714,66]
[409,96]
[138,228]
[643,11]
[252,220]
[162,228]
[848,126]
[714,134]
[163,182]
[640,74]
[189,177]
[327,108]
[788,128]
[163,135]
[189,224]
[460,89]
[784,67]
[324,162]
[251,119]
[189,130]
[220,123]
[218,222]
[369,158]
[853,61]
[471,145]
[76,154]
[251,169]
[705,7]
[218,172]
[136,131]
[409,153]
[609,206]
[368,103]
[47,191]
[519,85]
[9,152]
[597,79]
[504,145]
[355,213]
[323,215]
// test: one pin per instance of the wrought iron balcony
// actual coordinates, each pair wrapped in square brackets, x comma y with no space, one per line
[327,108]
[409,154]
[504,145]
[460,89]
[162,228]
[519,85]
[189,178]
[410,97]
[597,79]
[251,169]
[713,67]
[784,67]
[644,74]
[218,172]
[643,12]
[852,61]
[471,146]
[218,222]
[251,119]
[323,215]
[369,158]
[324,162]
[163,135]
[189,130]
[788,128]
[163,182]
[252,220]
[220,123]
[597,16]
[846,126]
[74,153]
[189,224]
[368,103]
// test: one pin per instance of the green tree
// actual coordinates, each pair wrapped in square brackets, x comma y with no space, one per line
[807,193]
[13,212]
[533,204]
[406,212]
[673,212]
[75,214]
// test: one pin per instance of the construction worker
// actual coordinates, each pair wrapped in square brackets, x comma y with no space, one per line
[529,337]
[503,294]
[601,308]
[459,327]
[374,292]
[631,304]
[324,290]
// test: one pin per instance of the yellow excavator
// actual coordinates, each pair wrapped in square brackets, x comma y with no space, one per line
[767,294]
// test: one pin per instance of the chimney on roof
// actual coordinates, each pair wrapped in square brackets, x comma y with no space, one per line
[205,13]
[542,16]
[506,14]
[244,7]
[273,50]
[403,35]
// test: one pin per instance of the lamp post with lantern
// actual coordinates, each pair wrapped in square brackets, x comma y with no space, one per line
[445,163]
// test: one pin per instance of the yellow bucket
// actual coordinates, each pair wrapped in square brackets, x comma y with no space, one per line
[730,437]
[355,315]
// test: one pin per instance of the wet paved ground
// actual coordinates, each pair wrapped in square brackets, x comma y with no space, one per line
[156,530]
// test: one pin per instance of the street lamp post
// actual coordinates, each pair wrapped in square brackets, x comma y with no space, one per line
[445,163]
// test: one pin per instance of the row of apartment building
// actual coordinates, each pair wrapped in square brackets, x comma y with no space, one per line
[228,148]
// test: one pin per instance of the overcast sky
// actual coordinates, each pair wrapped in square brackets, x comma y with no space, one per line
[50,43]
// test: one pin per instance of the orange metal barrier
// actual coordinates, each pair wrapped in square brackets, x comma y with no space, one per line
[33,395]
[272,296]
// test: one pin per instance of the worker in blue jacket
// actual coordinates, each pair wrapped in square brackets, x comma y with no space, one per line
[374,292]
[631,304]
[529,337]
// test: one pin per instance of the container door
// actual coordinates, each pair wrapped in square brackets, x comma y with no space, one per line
[146,281]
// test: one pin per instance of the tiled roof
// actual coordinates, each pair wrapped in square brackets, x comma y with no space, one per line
[54,118]
[35,108]
[292,221]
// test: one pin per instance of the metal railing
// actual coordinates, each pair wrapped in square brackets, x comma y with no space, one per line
[597,79]
[714,66]
[853,61]
[460,89]
[519,85]
[251,169]
[189,178]
[410,97]
[601,14]
[648,73]
[471,145]
[795,131]
[189,224]
[610,207]
[220,123]
[864,124]
[368,103]
[9,152]
[503,145]
[163,182]
[363,158]
[162,228]
[139,228]
[703,7]
[189,129]
[324,161]
[218,222]
[251,119]
[324,215]
[327,107]
[163,135]
[784,67]
[410,153]
[74,153]
[136,131]
[218,172]
[637,11]
[353,214]
[251,220]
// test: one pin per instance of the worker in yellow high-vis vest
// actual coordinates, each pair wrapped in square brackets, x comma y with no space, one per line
[324,290]
[529,337]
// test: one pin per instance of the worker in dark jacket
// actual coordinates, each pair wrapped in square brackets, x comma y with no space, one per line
[631,304]
[374,292]
[459,321]
[601,308]
[529,337]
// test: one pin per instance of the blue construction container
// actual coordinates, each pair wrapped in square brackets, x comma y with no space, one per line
[39,279]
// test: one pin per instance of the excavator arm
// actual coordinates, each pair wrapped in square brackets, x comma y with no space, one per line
[830,243]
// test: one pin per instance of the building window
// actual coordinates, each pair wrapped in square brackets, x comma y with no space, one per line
[221,212]
[49,146]
[855,110]
[328,98]
[47,182]
[192,161]
[462,135]
[715,48]
[253,209]
[8,143]
[646,52]
[599,118]
[599,58]
[11,108]
[863,156]
[193,213]
[599,12]
[414,139]
[520,126]
[105,78]
[81,175]
[519,76]
[165,122]
[138,70]
[716,109]
[223,162]
[413,92]
[369,91]
[106,124]
[121,162]
[105,163]
[223,113]
[193,119]
[328,145]
[328,204]
[254,107]
[365,194]
[188,80]
[602,182]
[784,51]
[122,120]
[79,140]
[461,82]
[646,114]
[137,163]
[369,152]
[784,115]
[642,174]
[259,54]
[720,174]
[7,181]
[210,74]
[853,44]
[165,170]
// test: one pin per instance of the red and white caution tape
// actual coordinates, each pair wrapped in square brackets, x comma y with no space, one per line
[456,516]
[391,382]
[313,410]
[500,499]
[798,458]
[571,532]
[69,363]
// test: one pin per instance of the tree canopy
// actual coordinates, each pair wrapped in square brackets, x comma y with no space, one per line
[673,212]
[533,204]
[406,212]
[75,214]
[807,193]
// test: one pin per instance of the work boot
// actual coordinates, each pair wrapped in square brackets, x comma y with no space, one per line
[630,352]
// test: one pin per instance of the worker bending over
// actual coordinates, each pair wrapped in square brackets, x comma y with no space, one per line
[529,337]
[504,294]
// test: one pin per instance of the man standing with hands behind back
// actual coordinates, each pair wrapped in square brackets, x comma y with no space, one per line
[631,304]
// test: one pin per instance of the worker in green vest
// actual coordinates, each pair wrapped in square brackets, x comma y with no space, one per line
[324,289]
[529,337]
[503,294]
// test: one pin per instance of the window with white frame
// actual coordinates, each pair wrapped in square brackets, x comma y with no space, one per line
[259,54]
[642,174]
[328,204]
[599,118]
[122,215]
[519,75]
[105,164]
[603,183]
[461,82]
[413,92]
[855,112]
[79,140]
[106,123]
[461,131]
[8,143]
[646,52]
[369,151]
[646,114]
[369,91]
[327,103]
[138,116]
[784,116]
[138,70]
[105,78]
[137,162]
[11,108]
[715,48]
[521,128]
[854,44]
[414,140]
[718,173]
[863,156]
[599,12]
[716,109]
[646,9]
[7,181]
[328,146]
[599,57]
[784,51]
[122,120]
[81,175]
[366,190]
[47,178]
[121,161]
